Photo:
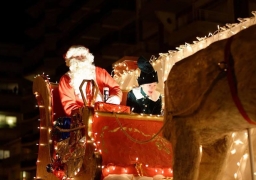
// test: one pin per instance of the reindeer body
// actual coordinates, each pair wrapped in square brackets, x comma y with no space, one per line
[200,110]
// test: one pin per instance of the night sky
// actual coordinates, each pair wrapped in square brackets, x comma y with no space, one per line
[13,21]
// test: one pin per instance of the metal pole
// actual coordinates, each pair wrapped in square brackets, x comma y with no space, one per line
[251,153]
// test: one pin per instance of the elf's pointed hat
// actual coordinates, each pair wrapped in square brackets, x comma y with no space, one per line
[147,74]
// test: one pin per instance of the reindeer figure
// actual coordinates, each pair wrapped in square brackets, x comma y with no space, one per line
[208,95]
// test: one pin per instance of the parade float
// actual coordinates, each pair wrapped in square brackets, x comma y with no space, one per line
[111,140]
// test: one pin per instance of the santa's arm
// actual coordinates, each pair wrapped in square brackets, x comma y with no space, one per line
[67,96]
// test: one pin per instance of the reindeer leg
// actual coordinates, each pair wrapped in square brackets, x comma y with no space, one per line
[213,158]
[186,152]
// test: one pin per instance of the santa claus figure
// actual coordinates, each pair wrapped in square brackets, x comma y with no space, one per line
[81,67]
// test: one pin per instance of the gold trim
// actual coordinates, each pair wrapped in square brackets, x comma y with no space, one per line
[159,142]
[87,115]
[133,116]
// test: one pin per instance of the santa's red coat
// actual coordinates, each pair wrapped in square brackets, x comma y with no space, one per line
[71,102]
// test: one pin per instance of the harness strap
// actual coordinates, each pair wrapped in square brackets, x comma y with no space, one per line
[231,81]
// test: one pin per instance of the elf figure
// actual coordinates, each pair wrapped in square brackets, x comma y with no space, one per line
[145,98]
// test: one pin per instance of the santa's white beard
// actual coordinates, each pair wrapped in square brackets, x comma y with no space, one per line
[80,71]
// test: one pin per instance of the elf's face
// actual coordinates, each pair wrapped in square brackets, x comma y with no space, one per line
[150,88]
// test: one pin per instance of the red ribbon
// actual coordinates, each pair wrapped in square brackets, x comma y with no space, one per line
[232,85]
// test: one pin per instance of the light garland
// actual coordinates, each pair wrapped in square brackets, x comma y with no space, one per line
[180,53]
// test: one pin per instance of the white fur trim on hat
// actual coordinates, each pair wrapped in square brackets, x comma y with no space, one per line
[79,53]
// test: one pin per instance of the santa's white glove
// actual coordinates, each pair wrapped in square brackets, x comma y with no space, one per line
[113,100]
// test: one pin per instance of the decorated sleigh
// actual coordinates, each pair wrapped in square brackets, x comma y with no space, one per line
[106,139]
